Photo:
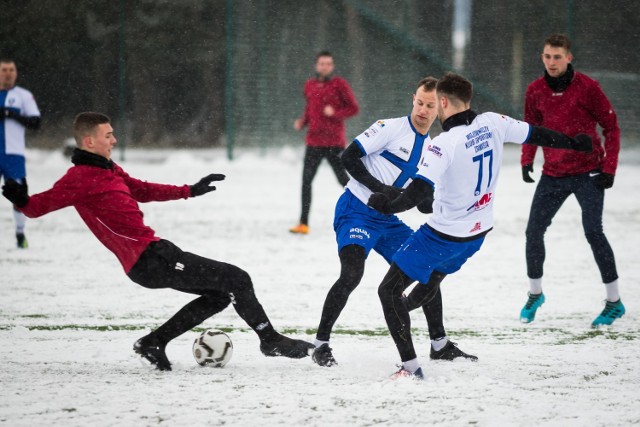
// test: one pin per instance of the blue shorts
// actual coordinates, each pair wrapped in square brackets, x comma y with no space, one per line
[425,252]
[357,224]
[12,167]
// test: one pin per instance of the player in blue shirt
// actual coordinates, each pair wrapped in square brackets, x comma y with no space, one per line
[18,111]
[384,158]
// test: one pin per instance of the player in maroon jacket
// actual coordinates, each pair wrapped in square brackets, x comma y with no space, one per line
[107,200]
[329,102]
[570,102]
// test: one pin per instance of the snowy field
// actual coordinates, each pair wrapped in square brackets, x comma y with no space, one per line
[69,315]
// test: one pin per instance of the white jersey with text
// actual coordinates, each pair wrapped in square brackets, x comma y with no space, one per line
[393,150]
[463,166]
[21,101]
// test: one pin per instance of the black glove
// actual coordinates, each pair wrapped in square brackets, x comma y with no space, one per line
[17,193]
[380,202]
[426,206]
[203,187]
[526,170]
[582,142]
[604,180]
[390,191]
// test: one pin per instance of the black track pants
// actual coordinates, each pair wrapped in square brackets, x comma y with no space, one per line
[164,265]
[312,158]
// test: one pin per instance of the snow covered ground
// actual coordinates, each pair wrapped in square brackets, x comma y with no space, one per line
[69,316]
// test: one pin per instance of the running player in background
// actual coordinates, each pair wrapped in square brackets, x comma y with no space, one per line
[330,102]
[570,102]
[18,111]
[462,170]
[384,158]
[106,199]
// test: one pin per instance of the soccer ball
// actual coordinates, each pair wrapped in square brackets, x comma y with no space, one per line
[213,348]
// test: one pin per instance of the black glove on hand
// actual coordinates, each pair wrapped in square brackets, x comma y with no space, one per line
[426,206]
[203,187]
[604,180]
[380,202]
[17,193]
[390,191]
[582,142]
[526,170]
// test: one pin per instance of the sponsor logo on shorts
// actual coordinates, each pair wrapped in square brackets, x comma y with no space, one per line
[359,233]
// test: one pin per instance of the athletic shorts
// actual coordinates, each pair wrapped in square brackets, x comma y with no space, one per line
[12,167]
[357,224]
[424,252]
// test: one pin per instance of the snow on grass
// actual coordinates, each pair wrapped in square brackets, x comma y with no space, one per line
[69,315]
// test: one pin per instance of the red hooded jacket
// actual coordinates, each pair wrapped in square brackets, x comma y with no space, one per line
[327,131]
[578,109]
[106,199]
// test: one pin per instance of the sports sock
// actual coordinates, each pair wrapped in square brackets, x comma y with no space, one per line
[439,343]
[411,365]
[613,293]
[535,286]
[318,342]
[21,221]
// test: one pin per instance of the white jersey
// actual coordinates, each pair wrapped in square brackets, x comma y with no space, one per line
[393,150]
[464,165]
[12,132]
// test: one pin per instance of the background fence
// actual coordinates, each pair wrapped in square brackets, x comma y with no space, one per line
[197,73]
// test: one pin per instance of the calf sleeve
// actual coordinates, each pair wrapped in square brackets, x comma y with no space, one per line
[395,311]
[352,259]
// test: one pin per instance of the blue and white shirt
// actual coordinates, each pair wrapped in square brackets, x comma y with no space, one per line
[393,150]
[12,132]
[463,166]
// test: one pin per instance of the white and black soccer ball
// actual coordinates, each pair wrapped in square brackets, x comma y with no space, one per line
[213,348]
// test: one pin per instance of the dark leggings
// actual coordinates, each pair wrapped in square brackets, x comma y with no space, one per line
[352,260]
[549,196]
[312,158]
[164,265]
[396,313]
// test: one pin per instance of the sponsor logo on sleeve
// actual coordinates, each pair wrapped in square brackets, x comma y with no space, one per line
[435,150]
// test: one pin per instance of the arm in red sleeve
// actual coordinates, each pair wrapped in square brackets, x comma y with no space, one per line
[533,117]
[144,191]
[607,119]
[349,107]
[66,192]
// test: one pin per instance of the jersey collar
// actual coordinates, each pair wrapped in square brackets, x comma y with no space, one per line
[560,84]
[82,157]
[459,119]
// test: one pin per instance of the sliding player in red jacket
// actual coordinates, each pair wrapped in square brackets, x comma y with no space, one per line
[107,200]
[570,102]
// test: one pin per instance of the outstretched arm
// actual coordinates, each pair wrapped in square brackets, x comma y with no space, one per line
[549,138]
[419,192]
